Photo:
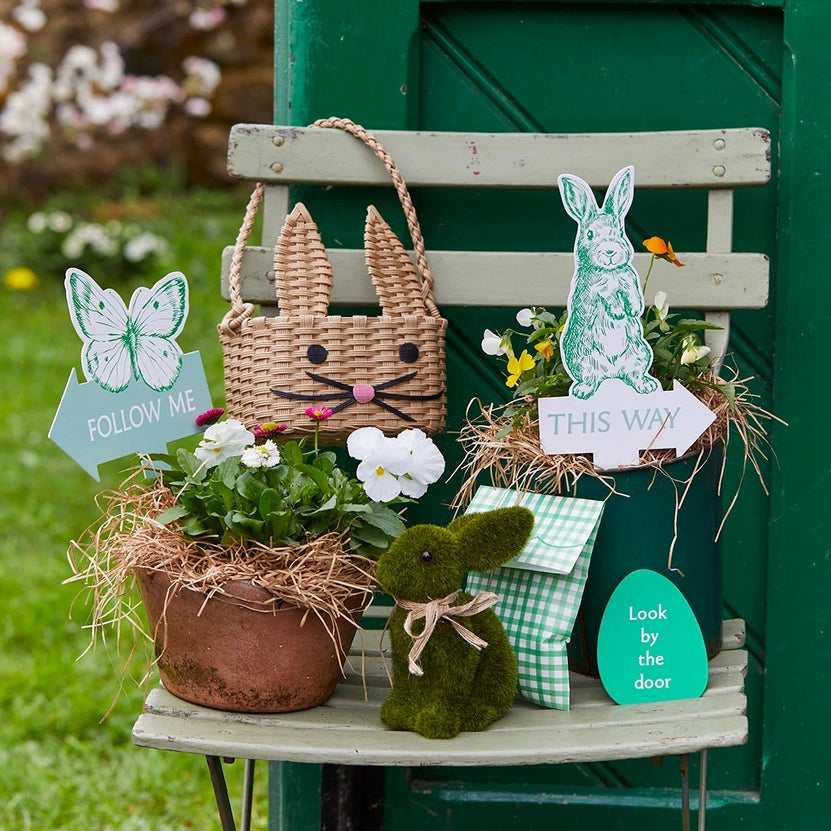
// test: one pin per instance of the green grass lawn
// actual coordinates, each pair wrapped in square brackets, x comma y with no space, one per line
[62,766]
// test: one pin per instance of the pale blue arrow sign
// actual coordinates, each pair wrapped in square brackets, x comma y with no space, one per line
[93,425]
[616,423]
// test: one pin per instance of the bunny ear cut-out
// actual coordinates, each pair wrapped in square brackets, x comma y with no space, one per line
[578,199]
[393,274]
[302,270]
[620,193]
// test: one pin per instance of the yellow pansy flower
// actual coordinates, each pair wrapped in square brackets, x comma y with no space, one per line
[516,366]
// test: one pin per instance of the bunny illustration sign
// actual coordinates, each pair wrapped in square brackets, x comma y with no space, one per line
[141,391]
[615,407]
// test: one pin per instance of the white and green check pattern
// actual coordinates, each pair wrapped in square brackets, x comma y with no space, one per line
[540,591]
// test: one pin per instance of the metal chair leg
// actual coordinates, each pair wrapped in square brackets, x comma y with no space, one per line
[226,815]
[247,795]
[685,792]
[702,791]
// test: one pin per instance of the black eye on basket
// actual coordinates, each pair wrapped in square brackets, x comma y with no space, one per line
[426,557]
[408,352]
[316,353]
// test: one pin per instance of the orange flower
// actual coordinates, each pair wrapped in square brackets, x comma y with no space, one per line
[546,349]
[662,250]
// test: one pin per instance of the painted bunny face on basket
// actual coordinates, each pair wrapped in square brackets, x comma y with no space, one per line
[388,364]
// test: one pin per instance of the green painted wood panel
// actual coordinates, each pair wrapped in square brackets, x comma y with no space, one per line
[583,66]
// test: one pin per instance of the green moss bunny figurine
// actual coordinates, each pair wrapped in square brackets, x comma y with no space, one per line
[453,667]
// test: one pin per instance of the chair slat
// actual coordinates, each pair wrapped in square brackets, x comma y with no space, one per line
[682,159]
[482,278]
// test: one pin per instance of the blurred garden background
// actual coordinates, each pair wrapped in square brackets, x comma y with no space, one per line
[114,117]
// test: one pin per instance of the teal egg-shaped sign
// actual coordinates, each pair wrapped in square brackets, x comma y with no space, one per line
[650,646]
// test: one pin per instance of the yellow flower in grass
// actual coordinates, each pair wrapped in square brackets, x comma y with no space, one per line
[21,279]
[546,349]
[662,250]
[516,366]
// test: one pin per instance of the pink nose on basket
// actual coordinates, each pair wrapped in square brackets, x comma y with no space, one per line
[363,393]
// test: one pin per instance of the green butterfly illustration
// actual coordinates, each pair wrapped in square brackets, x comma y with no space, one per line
[124,343]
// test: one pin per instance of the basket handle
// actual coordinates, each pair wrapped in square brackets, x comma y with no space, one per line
[240,311]
[371,141]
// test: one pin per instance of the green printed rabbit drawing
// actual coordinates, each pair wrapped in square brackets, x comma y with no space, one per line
[603,337]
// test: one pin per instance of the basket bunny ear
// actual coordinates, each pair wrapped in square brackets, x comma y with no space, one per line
[393,274]
[303,273]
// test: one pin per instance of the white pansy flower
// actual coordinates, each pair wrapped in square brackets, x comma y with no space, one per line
[662,310]
[693,351]
[261,455]
[223,440]
[383,461]
[426,462]
[525,317]
[492,343]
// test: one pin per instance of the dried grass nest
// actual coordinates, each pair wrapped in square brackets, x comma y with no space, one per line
[319,575]
[511,456]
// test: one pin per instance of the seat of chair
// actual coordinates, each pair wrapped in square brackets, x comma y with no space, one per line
[347,729]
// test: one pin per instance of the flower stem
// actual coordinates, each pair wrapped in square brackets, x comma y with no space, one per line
[648,272]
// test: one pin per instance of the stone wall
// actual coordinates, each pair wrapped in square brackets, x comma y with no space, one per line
[154,37]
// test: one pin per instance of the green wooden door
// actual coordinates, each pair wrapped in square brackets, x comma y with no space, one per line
[605,67]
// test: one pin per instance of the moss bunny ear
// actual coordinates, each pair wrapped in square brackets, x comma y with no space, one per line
[488,540]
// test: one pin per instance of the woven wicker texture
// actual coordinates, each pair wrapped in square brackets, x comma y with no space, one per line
[384,371]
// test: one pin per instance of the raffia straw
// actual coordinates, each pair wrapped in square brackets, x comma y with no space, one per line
[509,454]
[319,575]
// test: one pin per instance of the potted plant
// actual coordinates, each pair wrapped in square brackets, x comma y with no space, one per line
[664,513]
[254,557]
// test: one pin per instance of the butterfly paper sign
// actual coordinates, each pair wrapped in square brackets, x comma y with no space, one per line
[122,343]
[141,392]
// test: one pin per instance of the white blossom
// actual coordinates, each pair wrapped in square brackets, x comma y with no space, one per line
[426,462]
[389,467]
[492,343]
[261,455]
[693,351]
[30,15]
[222,441]
[525,317]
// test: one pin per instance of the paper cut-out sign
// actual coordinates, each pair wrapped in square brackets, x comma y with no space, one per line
[616,423]
[615,407]
[650,646]
[142,391]
[122,344]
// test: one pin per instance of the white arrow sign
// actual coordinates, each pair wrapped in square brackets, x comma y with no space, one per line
[617,423]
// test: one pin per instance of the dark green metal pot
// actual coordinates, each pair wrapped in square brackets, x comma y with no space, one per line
[636,531]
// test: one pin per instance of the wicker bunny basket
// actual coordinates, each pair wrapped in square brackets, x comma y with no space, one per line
[385,371]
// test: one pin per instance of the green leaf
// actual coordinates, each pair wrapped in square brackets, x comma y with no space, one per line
[386,520]
[369,534]
[250,486]
[190,465]
[171,514]
[227,471]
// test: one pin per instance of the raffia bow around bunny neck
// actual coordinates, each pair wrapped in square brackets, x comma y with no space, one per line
[435,611]
[385,371]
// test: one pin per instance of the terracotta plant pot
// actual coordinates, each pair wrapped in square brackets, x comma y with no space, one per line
[228,655]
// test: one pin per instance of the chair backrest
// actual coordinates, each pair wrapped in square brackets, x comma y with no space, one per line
[716,280]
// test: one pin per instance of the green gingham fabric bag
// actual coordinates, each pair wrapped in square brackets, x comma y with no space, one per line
[540,590]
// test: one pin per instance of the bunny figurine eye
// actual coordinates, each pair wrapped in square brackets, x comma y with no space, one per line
[589,234]
[316,353]
[408,352]
[426,557]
